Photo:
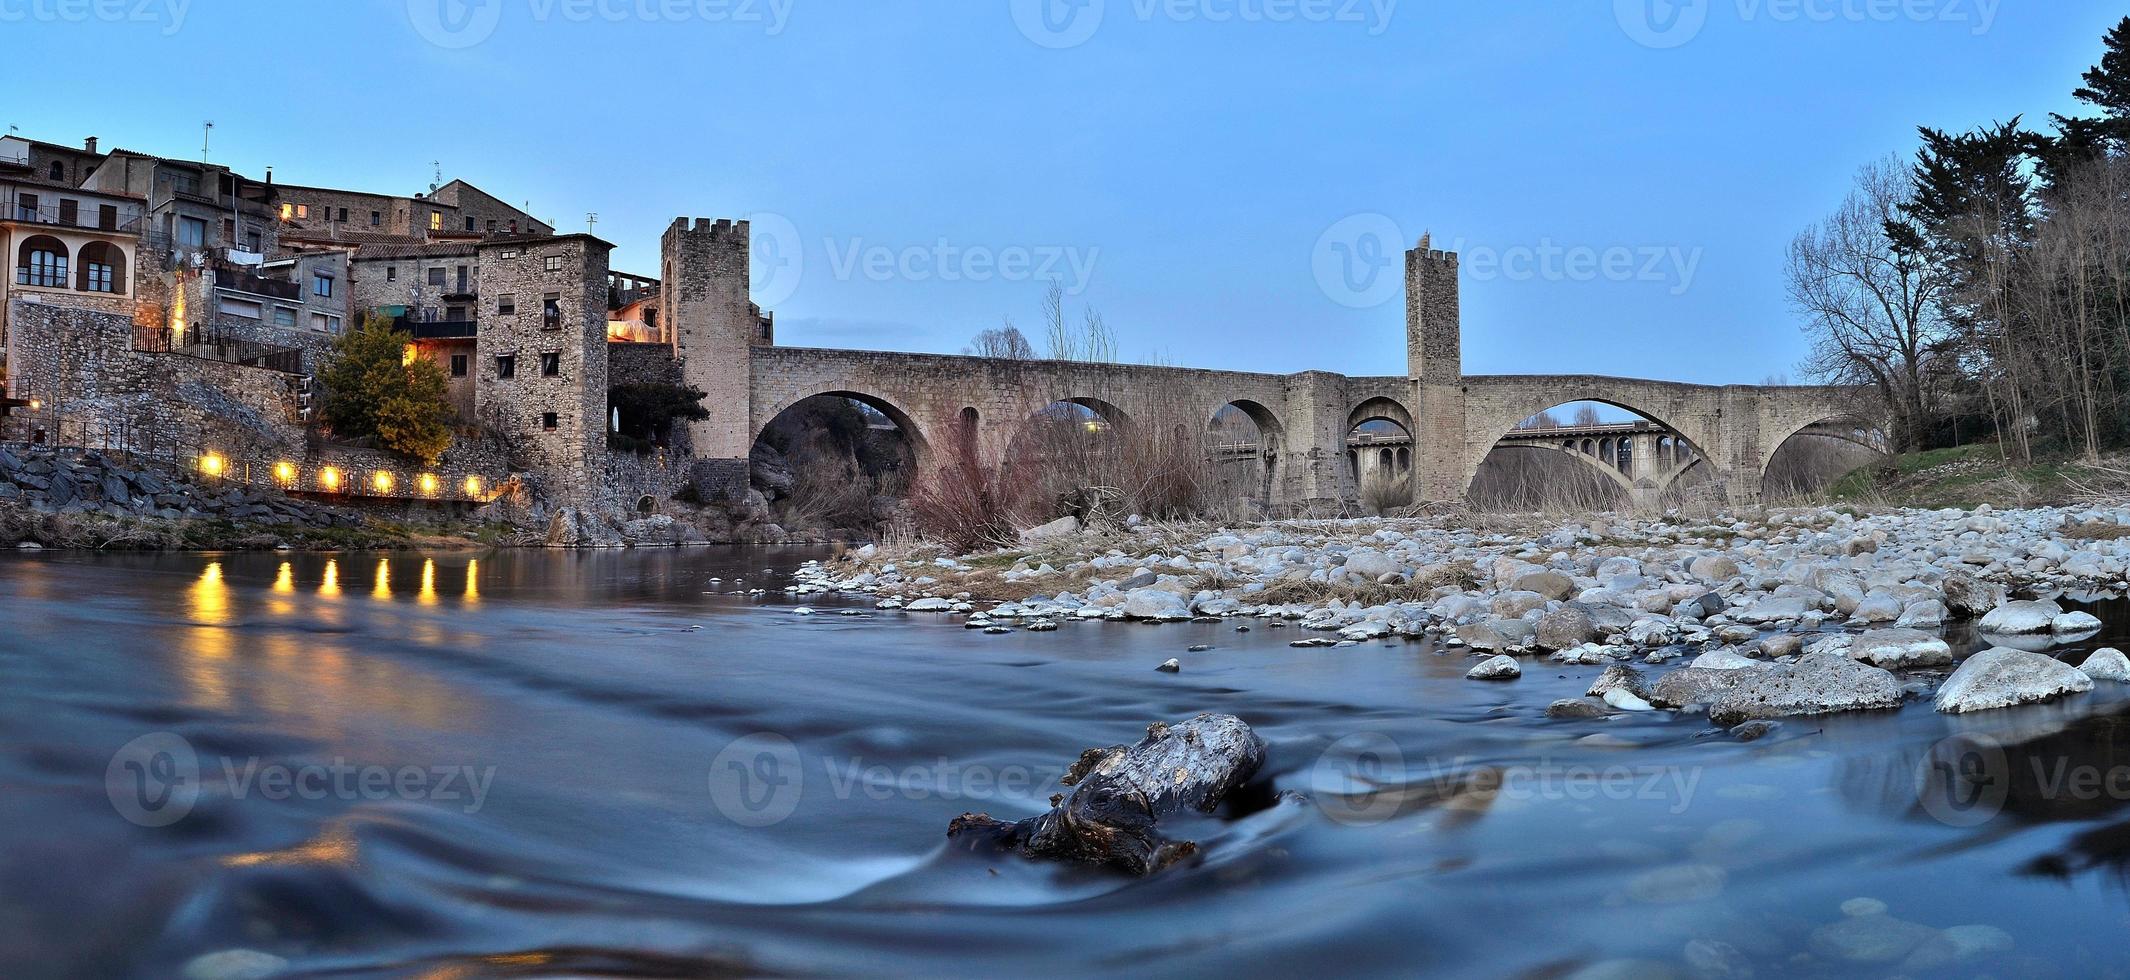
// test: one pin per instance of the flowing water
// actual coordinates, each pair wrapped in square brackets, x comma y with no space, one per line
[609,763]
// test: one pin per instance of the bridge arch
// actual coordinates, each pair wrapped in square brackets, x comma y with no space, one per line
[1495,411]
[919,444]
[1797,425]
[1383,409]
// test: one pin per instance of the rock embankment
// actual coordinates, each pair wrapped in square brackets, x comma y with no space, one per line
[64,499]
[1786,613]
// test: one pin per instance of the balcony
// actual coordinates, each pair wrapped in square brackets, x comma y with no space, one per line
[242,280]
[86,216]
[436,329]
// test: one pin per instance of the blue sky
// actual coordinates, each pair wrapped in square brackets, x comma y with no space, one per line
[1209,174]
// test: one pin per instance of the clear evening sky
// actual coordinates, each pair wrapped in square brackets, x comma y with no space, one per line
[1220,178]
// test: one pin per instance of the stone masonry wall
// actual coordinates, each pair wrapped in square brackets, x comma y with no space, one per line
[557,422]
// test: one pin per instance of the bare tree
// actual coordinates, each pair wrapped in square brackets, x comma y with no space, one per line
[1005,343]
[1587,416]
[1871,299]
[1543,420]
[1092,341]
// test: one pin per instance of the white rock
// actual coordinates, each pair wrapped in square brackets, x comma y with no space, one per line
[1153,603]
[2074,622]
[2001,677]
[2021,617]
[1625,700]
[1501,668]
[1724,660]
[2107,664]
[1900,648]
[933,604]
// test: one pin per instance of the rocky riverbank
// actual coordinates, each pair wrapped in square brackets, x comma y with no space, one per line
[1758,616]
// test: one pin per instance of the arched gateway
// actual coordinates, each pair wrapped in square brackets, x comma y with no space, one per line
[1453,420]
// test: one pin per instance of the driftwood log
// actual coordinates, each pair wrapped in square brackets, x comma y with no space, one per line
[1121,793]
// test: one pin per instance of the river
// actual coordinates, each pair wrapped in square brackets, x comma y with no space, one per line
[610,763]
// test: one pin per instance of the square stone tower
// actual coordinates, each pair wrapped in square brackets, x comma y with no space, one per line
[715,327]
[542,366]
[1434,352]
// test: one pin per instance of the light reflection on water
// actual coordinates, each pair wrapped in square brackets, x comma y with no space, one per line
[601,688]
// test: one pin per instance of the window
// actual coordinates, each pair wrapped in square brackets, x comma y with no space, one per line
[26,207]
[650,317]
[506,365]
[436,221]
[232,306]
[303,210]
[455,313]
[59,171]
[284,317]
[469,223]
[69,212]
[458,365]
[551,311]
[192,233]
[321,285]
[554,263]
[549,420]
[229,231]
[103,268]
[325,324]
[43,263]
[507,303]
[288,212]
[508,253]
[491,226]
[251,241]
[343,214]
[107,217]
[436,276]
[376,218]
[551,364]
[391,273]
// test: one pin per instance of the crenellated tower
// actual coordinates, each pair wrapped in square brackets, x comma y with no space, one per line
[715,327]
[1434,352]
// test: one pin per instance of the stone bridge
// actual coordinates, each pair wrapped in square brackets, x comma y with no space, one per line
[952,403]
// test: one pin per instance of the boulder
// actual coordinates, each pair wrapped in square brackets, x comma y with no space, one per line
[1689,686]
[1620,677]
[930,604]
[1500,668]
[1818,684]
[2107,664]
[1495,633]
[1773,610]
[2002,677]
[1546,582]
[2074,622]
[1155,604]
[1724,660]
[1576,708]
[1121,793]
[1063,527]
[1970,596]
[1715,569]
[1898,648]
[1566,628]
[1369,564]
[1514,604]
[2021,618]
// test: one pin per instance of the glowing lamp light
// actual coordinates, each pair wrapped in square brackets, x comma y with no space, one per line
[382,481]
[212,465]
[36,404]
[285,472]
[329,478]
[473,486]
[428,483]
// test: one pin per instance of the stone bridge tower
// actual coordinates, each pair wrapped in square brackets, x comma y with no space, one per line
[704,290]
[1434,355]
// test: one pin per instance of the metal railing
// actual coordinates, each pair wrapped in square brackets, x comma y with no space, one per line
[89,217]
[211,343]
